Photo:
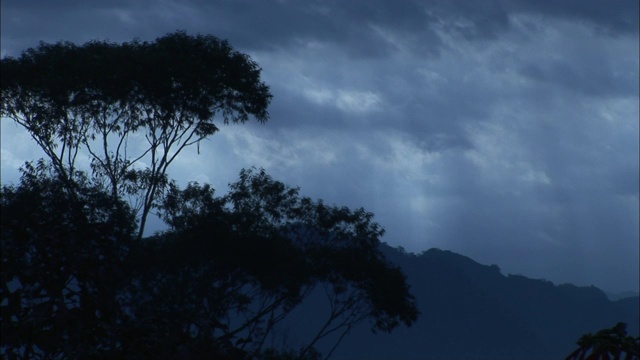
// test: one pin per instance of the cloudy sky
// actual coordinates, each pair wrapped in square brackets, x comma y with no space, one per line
[506,131]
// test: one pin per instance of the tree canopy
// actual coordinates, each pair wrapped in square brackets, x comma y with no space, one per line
[91,99]
[75,283]
[79,280]
[613,343]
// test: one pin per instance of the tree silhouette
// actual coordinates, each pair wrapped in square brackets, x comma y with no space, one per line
[267,249]
[75,283]
[611,343]
[92,99]
[63,257]
[80,281]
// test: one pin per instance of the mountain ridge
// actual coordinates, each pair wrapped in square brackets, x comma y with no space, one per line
[473,311]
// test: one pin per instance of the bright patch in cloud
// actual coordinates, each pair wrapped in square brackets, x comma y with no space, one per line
[356,101]
[502,159]
[350,101]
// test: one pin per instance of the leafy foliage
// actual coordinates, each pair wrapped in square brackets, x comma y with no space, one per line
[90,99]
[62,257]
[219,281]
[78,279]
[267,248]
[608,344]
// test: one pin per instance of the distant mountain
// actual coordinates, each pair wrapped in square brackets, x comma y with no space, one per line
[621,295]
[473,311]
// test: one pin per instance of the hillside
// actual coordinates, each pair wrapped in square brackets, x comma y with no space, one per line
[473,311]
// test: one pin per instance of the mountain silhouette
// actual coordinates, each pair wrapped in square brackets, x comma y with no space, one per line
[473,311]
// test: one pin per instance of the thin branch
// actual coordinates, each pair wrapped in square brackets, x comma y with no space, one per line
[335,346]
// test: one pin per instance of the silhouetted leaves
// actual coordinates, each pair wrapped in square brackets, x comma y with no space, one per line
[279,246]
[91,98]
[62,258]
[607,344]
[78,283]
[219,281]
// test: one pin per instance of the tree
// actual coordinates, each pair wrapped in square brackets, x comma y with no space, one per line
[63,258]
[220,281]
[80,281]
[93,99]
[262,250]
[608,344]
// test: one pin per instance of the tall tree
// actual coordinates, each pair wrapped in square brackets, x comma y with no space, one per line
[93,100]
[229,269]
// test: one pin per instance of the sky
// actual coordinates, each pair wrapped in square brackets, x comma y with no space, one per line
[506,131]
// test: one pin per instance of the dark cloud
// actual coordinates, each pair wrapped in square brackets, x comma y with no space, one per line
[612,17]
[269,24]
[593,74]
